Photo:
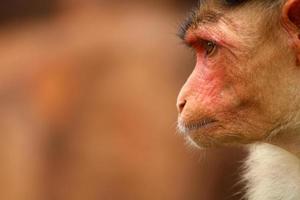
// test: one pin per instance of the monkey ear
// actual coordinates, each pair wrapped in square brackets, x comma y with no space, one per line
[291,19]
[291,14]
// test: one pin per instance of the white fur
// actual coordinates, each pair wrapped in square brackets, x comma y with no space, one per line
[272,174]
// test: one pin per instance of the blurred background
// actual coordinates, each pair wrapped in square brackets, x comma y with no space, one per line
[87,105]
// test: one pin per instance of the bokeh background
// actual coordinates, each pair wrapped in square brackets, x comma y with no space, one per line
[87,105]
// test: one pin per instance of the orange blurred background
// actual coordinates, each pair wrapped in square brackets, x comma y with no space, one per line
[87,108]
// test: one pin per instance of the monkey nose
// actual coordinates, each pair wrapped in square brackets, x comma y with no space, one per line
[180,105]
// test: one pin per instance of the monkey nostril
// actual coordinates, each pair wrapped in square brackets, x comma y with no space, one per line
[181,106]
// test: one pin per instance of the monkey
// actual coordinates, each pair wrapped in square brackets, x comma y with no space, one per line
[245,89]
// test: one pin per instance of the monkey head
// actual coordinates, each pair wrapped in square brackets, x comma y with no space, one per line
[245,86]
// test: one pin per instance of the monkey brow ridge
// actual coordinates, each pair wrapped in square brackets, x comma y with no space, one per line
[195,19]
[209,16]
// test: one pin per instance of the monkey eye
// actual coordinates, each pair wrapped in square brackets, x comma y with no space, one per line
[210,47]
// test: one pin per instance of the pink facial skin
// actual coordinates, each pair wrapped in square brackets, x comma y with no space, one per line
[208,91]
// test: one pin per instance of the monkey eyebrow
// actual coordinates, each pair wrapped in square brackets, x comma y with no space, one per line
[194,20]
[186,25]
[232,3]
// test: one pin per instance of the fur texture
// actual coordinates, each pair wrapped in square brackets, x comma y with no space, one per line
[271,173]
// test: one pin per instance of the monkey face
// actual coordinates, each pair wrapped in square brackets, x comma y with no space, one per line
[242,89]
[217,107]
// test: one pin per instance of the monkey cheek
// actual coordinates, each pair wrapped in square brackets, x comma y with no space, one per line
[218,120]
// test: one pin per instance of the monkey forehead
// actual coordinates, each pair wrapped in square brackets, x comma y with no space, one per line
[212,11]
[206,14]
[194,19]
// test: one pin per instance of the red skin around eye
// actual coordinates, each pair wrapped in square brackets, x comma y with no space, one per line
[208,79]
[222,39]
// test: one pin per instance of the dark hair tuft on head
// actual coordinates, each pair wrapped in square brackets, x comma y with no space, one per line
[186,24]
[234,2]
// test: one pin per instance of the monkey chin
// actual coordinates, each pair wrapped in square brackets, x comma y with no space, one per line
[196,133]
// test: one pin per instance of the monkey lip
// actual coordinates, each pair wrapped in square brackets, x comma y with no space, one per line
[204,123]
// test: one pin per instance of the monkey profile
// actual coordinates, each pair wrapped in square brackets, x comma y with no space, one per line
[245,88]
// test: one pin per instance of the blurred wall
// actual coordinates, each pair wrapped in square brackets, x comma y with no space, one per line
[87,107]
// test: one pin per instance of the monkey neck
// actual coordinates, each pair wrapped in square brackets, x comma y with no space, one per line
[273,168]
[271,173]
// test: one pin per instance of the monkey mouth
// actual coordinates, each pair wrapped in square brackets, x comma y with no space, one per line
[205,123]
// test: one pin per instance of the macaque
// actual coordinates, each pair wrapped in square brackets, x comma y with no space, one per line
[245,89]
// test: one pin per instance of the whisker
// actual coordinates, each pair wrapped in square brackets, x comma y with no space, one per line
[184,127]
